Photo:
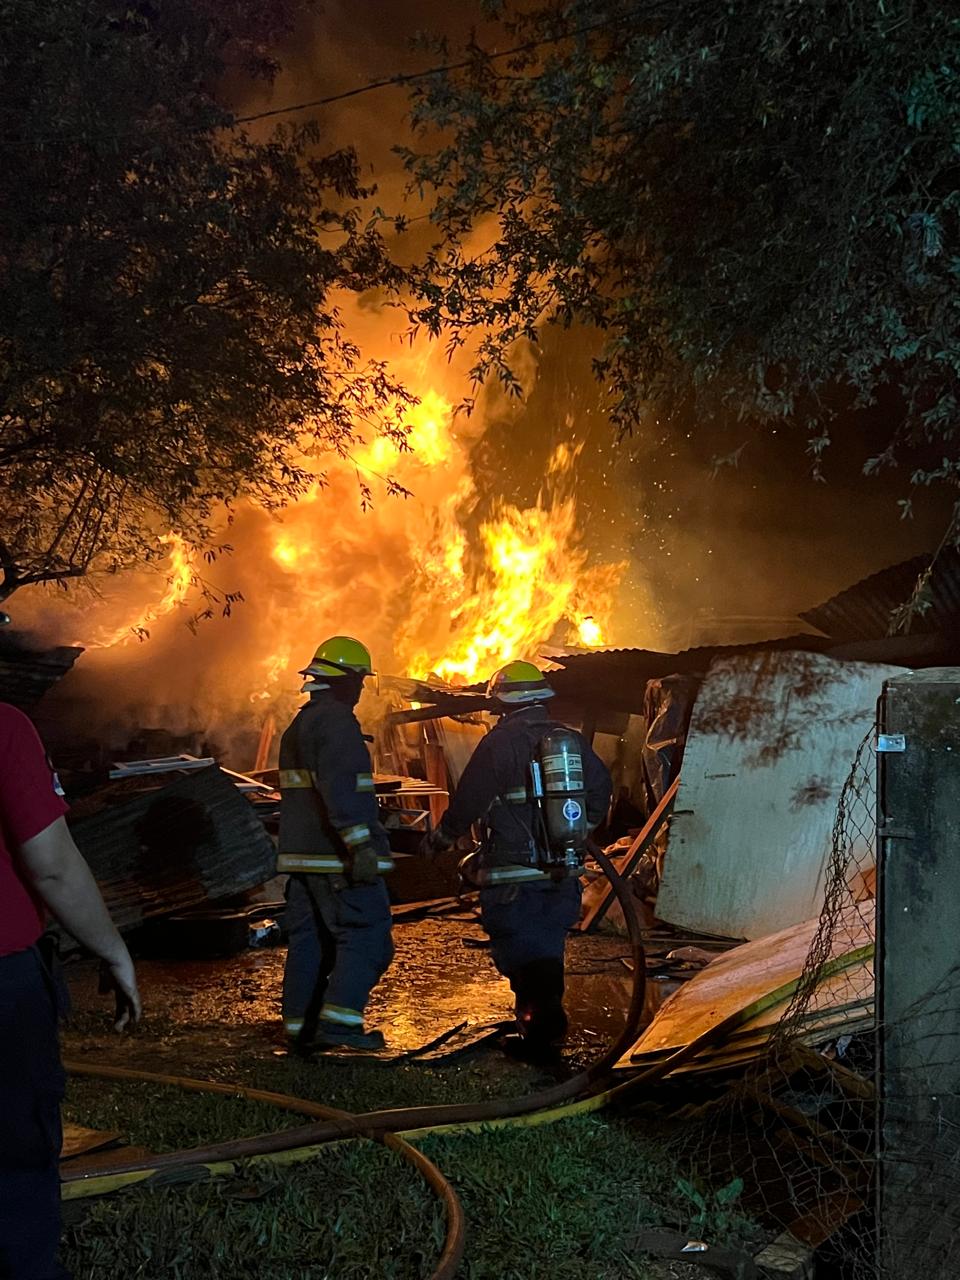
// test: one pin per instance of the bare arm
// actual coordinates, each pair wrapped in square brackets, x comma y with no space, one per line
[56,869]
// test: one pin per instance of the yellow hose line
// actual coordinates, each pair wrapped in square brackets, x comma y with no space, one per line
[103,1184]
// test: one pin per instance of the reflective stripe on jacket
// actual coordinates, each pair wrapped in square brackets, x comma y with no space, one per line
[328,808]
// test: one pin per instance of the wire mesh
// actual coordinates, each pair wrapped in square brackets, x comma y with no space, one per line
[786,1105]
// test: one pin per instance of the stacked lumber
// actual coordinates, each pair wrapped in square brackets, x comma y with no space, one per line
[758,981]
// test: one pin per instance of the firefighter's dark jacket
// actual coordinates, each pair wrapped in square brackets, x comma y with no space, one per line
[494,788]
[328,807]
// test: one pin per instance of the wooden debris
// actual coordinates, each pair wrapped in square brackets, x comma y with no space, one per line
[759,979]
[627,863]
[78,1141]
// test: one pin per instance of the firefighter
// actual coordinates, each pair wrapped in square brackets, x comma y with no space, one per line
[527,906]
[335,850]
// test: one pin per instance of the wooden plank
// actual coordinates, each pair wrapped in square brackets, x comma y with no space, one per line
[727,1057]
[627,863]
[850,1022]
[159,764]
[737,978]
[436,767]
[91,1163]
[267,734]
[824,1014]
[755,1032]
[78,1141]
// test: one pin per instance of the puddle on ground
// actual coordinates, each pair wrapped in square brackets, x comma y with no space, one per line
[442,975]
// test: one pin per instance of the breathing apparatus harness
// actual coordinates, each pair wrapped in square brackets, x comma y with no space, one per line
[555,789]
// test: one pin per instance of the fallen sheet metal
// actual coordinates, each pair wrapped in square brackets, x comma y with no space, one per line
[766,972]
[26,673]
[158,850]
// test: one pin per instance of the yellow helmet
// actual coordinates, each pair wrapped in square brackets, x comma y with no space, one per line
[336,657]
[517,683]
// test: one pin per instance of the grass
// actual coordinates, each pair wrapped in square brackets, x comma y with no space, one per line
[557,1202]
[164,1118]
[356,1212]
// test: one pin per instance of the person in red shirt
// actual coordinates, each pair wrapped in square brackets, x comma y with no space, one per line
[41,871]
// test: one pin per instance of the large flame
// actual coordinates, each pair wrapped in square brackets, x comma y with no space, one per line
[478,607]
[464,602]
[449,582]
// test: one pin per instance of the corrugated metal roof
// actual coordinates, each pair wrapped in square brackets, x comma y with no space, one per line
[26,674]
[160,850]
[864,611]
[617,678]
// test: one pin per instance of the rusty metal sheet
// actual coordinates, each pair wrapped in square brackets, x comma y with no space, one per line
[771,742]
[160,850]
[26,674]
[864,611]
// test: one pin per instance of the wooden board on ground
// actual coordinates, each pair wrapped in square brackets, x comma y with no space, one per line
[78,1141]
[849,1020]
[840,998]
[739,978]
[733,1056]
[74,1172]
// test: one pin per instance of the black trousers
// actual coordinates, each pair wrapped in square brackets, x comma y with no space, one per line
[31,1089]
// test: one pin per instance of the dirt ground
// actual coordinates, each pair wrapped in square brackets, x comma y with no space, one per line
[213,1012]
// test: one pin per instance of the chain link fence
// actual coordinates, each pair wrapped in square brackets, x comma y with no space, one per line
[796,1134]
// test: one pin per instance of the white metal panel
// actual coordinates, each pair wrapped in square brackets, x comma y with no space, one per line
[771,742]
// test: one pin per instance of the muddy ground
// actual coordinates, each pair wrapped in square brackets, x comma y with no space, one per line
[219,1019]
[207,1014]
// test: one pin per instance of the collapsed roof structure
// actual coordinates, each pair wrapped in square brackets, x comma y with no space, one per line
[740,752]
[27,673]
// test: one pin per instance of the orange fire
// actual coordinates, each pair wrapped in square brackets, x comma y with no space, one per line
[589,632]
[432,589]
[508,596]
[181,577]
[465,604]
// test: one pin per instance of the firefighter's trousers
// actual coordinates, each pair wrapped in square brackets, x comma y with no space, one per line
[339,946]
[527,924]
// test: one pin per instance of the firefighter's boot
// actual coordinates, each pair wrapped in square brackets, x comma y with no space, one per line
[538,986]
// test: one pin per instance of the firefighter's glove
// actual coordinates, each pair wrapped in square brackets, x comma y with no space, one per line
[435,842]
[364,865]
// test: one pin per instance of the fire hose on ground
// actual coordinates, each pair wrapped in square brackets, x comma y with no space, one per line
[588,1091]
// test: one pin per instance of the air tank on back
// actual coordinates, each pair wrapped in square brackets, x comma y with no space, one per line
[564,796]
